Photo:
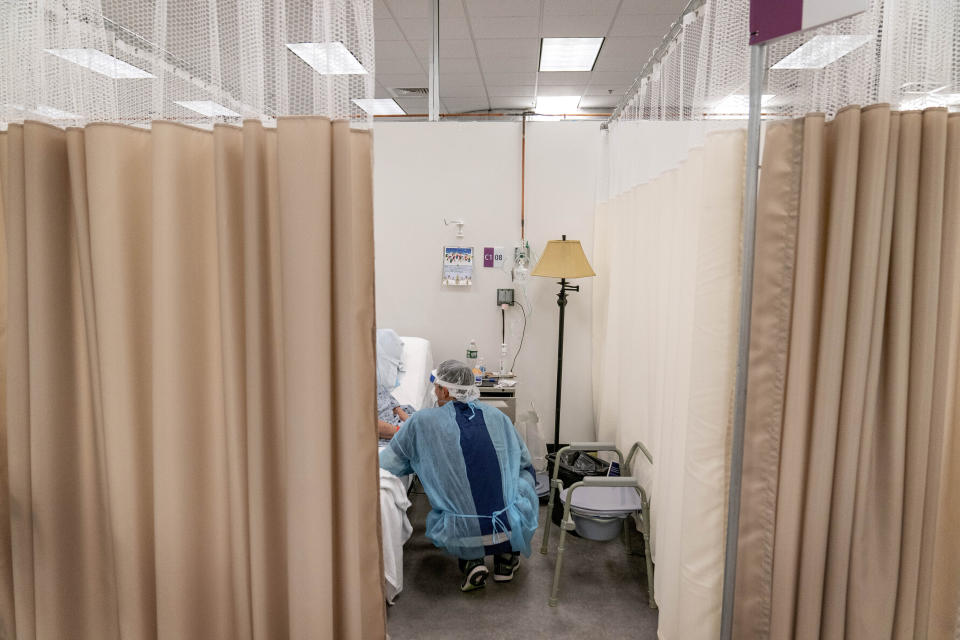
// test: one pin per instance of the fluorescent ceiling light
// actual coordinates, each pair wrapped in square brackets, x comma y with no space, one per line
[738,103]
[101,63]
[379,106]
[328,58]
[820,51]
[55,114]
[557,104]
[569,54]
[208,108]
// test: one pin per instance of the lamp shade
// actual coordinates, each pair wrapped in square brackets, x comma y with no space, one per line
[563,259]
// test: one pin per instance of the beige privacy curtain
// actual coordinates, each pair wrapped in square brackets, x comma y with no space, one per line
[665,339]
[189,449]
[851,509]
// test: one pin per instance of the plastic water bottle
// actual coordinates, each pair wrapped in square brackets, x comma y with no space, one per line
[481,369]
[472,354]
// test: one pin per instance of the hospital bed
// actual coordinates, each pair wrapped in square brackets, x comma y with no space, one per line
[415,390]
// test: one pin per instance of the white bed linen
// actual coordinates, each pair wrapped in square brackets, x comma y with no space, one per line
[396,529]
[414,389]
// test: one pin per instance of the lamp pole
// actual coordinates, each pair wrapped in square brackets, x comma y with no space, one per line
[562,303]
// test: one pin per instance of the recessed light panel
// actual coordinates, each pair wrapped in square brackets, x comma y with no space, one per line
[328,58]
[379,106]
[101,63]
[569,54]
[820,51]
[208,108]
[555,105]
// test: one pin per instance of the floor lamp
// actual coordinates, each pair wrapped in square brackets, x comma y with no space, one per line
[562,259]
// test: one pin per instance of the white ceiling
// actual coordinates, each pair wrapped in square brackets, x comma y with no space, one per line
[490,49]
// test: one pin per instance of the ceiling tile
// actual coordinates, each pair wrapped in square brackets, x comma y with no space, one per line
[580,7]
[630,7]
[462,92]
[606,63]
[575,26]
[510,90]
[409,8]
[651,24]
[380,11]
[509,47]
[394,80]
[454,29]
[636,48]
[450,28]
[561,90]
[612,78]
[604,89]
[391,65]
[415,28]
[459,80]
[394,50]
[381,92]
[448,48]
[386,30]
[451,9]
[514,78]
[503,8]
[460,105]
[504,27]
[459,65]
[590,102]
[420,47]
[564,77]
[512,102]
[508,65]
[457,48]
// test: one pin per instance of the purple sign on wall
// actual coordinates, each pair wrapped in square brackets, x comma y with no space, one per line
[772,19]
[488,256]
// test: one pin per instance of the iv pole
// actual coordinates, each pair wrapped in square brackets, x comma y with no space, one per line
[758,81]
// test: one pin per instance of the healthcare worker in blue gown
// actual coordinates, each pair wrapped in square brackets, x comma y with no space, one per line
[477,474]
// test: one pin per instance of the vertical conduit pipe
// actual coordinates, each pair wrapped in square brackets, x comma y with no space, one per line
[523,174]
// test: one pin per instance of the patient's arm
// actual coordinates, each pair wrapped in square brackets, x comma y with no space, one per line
[400,413]
[386,430]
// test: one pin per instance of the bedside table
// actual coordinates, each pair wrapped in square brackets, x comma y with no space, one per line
[503,398]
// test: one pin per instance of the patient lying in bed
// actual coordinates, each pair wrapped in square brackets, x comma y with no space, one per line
[390,413]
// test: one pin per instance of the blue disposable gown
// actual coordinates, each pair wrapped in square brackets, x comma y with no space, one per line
[477,474]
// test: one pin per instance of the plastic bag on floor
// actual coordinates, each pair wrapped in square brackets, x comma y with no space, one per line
[528,425]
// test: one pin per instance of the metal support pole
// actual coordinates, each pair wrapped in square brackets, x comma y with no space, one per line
[758,80]
[562,302]
[433,87]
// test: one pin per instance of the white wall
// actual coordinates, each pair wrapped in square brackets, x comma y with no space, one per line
[424,172]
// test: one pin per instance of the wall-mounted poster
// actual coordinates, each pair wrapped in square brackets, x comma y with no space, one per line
[458,266]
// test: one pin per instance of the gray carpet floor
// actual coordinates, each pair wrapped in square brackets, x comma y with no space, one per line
[603,592]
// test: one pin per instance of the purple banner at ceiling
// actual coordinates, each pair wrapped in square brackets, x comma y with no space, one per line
[771,19]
